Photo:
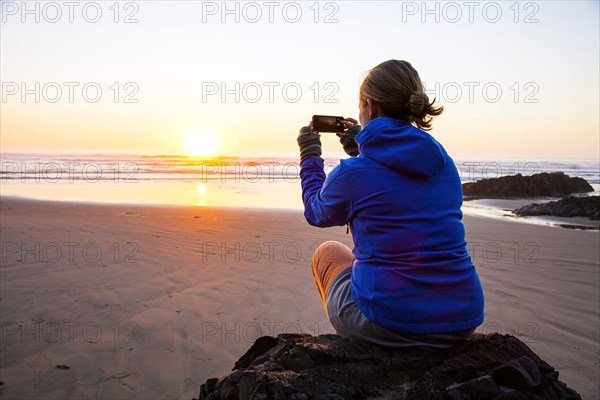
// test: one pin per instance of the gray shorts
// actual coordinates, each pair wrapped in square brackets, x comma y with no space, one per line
[348,320]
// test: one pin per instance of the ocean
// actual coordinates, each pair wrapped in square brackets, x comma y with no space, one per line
[256,182]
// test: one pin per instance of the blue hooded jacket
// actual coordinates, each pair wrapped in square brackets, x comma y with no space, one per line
[401,196]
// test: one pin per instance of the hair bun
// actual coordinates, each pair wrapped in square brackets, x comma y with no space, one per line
[417,104]
[397,89]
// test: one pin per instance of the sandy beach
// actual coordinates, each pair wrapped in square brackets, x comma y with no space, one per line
[148,302]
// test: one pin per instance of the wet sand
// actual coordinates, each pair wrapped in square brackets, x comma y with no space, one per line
[150,301]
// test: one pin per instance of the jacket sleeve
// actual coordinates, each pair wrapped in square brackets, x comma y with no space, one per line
[327,201]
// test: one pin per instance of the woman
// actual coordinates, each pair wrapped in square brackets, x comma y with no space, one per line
[409,281]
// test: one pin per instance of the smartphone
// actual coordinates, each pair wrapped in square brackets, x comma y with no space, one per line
[327,123]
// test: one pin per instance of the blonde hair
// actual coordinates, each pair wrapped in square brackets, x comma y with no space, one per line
[396,88]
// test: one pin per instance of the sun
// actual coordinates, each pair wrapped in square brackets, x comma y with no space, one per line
[201,142]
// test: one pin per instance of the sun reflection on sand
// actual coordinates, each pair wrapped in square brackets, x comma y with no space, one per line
[201,194]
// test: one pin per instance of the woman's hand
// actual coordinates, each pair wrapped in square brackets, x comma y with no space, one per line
[351,129]
[309,142]
[348,123]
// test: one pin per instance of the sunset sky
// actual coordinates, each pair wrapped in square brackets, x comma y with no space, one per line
[516,79]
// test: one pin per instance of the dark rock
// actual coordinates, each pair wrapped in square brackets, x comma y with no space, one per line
[518,374]
[483,387]
[572,206]
[260,346]
[208,387]
[332,367]
[555,184]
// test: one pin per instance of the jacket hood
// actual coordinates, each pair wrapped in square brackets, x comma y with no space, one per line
[401,146]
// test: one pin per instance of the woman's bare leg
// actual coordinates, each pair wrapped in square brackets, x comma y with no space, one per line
[329,259]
